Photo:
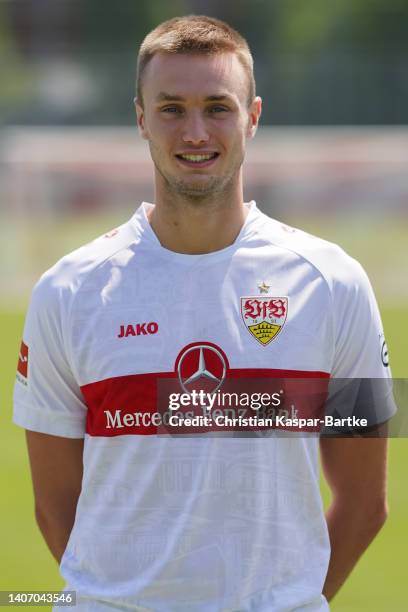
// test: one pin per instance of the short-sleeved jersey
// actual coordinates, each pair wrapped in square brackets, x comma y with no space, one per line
[186,523]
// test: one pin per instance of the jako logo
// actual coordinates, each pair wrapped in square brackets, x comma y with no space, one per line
[140,329]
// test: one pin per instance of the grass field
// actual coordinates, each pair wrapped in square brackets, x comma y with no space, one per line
[378,584]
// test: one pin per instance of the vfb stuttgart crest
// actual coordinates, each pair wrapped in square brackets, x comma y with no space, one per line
[264,317]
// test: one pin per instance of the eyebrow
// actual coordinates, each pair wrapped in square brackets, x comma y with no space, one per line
[167,97]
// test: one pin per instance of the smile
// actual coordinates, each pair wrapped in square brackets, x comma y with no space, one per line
[192,157]
[198,160]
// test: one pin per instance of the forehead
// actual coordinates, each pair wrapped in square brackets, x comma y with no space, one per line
[194,75]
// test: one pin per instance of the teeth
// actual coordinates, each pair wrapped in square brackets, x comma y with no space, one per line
[197,158]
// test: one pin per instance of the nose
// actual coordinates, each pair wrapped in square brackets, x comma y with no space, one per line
[195,131]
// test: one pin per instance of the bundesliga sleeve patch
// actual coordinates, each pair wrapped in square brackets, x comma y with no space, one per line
[22,366]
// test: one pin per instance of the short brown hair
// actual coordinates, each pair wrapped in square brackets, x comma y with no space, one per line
[195,34]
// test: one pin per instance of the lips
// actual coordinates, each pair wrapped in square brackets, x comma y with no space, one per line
[197,160]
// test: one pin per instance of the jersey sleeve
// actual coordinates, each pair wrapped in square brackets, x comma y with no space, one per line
[47,398]
[361,384]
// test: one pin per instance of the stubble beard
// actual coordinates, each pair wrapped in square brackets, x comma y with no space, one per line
[198,192]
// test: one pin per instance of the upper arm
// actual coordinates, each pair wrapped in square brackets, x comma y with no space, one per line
[360,384]
[56,468]
[358,329]
[356,470]
[47,394]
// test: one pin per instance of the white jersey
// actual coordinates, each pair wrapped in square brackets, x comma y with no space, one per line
[193,522]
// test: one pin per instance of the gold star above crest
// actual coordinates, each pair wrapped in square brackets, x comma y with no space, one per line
[263,287]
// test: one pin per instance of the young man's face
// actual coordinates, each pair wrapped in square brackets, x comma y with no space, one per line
[196,118]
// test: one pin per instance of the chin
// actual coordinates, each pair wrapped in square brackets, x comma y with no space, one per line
[197,190]
[197,195]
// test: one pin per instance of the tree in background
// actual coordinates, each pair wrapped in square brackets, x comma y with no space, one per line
[316,62]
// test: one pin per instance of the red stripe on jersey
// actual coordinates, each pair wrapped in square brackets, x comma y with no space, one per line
[135,404]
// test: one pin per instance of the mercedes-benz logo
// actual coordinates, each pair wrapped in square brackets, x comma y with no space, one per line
[201,361]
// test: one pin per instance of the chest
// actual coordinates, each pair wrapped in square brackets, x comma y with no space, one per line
[259,311]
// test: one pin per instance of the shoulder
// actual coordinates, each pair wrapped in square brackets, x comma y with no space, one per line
[62,282]
[340,271]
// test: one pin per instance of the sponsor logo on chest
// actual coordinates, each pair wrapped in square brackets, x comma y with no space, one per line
[138,329]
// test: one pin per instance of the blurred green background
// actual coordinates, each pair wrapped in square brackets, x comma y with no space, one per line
[339,68]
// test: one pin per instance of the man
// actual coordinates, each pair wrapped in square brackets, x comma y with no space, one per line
[198,288]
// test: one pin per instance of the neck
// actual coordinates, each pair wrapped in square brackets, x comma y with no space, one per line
[198,226]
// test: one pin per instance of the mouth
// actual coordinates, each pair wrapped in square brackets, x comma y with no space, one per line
[197,160]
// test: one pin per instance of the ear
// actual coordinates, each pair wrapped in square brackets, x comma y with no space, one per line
[254,114]
[140,117]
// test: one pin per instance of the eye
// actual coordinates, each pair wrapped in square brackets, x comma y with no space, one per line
[218,109]
[171,110]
